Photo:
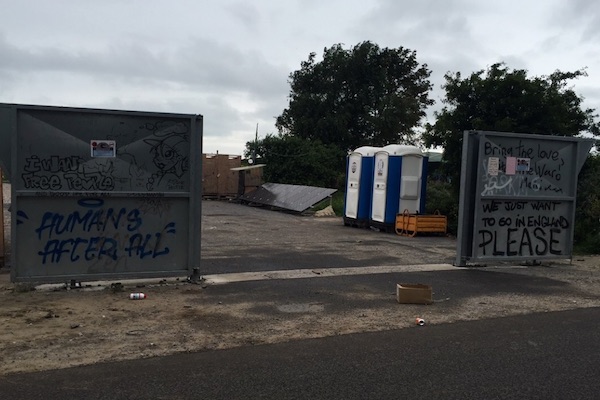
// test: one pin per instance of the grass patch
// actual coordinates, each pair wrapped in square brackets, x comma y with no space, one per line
[336,201]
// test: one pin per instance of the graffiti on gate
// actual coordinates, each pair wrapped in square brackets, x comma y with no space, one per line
[525,168]
[155,156]
[66,173]
[523,228]
[93,232]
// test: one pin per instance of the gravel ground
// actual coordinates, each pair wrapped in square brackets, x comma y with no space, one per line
[274,277]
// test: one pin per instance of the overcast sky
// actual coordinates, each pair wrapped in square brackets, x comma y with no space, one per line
[229,60]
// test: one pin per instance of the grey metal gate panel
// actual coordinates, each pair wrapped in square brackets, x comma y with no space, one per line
[100,194]
[6,129]
[518,193]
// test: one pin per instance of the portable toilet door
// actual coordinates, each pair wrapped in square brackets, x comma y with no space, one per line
[386,181]
[412,183]
[391,188]
[359,186]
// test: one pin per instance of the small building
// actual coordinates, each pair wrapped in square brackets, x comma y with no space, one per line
[250,178]
[223,176]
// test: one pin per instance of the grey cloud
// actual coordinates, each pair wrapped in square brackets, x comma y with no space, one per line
[437,30]
[579,15]
[219,117]
[425,17]
[7,81]
[230,68]
[246,14]
[590,94]
[201,65]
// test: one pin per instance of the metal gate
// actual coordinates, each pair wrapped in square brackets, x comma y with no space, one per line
[101,194]
[517,196]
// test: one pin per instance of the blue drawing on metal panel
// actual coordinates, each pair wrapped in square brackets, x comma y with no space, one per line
[93,232]
[20,217]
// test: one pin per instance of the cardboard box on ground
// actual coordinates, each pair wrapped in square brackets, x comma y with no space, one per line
[414,293]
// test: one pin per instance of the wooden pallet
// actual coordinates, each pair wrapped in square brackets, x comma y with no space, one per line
[411,224]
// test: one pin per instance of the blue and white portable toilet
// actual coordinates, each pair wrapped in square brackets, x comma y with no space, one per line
[359,186]
[399,184]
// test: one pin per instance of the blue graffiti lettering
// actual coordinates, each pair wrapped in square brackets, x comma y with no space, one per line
[115,219]
[95,233]
[135,220]
[54,223]
[91,203]
[169,228]
[97,247]
[92,249]
[136,247]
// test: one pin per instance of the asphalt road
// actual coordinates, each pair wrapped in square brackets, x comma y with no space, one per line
[538,356]
[238,238]
[352,293]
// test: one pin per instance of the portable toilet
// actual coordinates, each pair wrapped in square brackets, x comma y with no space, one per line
[399,183]
[359,186]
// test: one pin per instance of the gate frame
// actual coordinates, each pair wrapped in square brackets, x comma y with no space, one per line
[11,111]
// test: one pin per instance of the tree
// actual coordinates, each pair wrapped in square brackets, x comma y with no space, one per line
[587,214]
[506,100]
[357,97]
[298,161]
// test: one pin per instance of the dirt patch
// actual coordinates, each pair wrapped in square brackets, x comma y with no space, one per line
[59,328]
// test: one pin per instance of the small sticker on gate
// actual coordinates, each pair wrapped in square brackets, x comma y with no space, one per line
[103,148]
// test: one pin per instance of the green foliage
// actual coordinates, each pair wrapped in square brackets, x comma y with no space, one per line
[587,214]
[440,197]
[336,201]
[299,161]
[509,101]
[357,97]
[501,99]
[364,96]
